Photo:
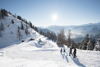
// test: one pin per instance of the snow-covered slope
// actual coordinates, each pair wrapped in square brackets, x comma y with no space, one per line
[31,54]
[9,34]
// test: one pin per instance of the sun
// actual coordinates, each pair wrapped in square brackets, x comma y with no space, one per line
[54,17]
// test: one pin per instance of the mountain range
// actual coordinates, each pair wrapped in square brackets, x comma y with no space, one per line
[80,31]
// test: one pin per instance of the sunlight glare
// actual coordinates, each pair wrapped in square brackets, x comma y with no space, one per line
[54,17]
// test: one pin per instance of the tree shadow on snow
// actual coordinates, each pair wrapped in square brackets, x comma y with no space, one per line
[76,61]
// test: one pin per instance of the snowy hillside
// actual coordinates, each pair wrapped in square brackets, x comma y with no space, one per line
[9,34]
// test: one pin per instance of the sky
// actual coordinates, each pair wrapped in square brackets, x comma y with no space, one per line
[44,13]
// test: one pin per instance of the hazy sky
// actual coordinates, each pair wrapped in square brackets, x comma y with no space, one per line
[65,12]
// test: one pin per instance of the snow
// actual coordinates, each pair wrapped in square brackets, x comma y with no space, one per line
[31,54]
[14,53]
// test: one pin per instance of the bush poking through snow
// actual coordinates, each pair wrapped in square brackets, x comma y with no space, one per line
[31,39]
[12,21]
[22,40]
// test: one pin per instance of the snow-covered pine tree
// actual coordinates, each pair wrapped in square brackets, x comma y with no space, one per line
[19,35]
[85,42]
[1,27]
[61,38]
[97,45]
[3,13]
[22,27]
[26,30]
[30,24]
[90,44]
[93,43]
[36,29]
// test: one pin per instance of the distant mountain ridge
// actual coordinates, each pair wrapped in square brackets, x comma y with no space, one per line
[45,30]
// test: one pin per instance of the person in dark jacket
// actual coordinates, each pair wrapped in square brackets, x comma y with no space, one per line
[61,50]
[70,52]
[64,50]
[74,52]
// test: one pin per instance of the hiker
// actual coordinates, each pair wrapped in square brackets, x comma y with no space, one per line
[61,50]
[64,50]
[70,52]
[74,53]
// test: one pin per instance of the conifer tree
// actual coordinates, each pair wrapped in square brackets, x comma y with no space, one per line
[30,24]
[1,27]
[33,27]
[36,29]
[26,30]
[85,42]
[12,21]
[22,27]
[69,38]
[90,44]
[19,17]
[97,45]
[19,35]
[93,43]
[61,38]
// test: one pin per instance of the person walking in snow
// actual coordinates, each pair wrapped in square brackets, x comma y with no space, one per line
[61,50]
[64,51]
[70,52]
[74,53]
